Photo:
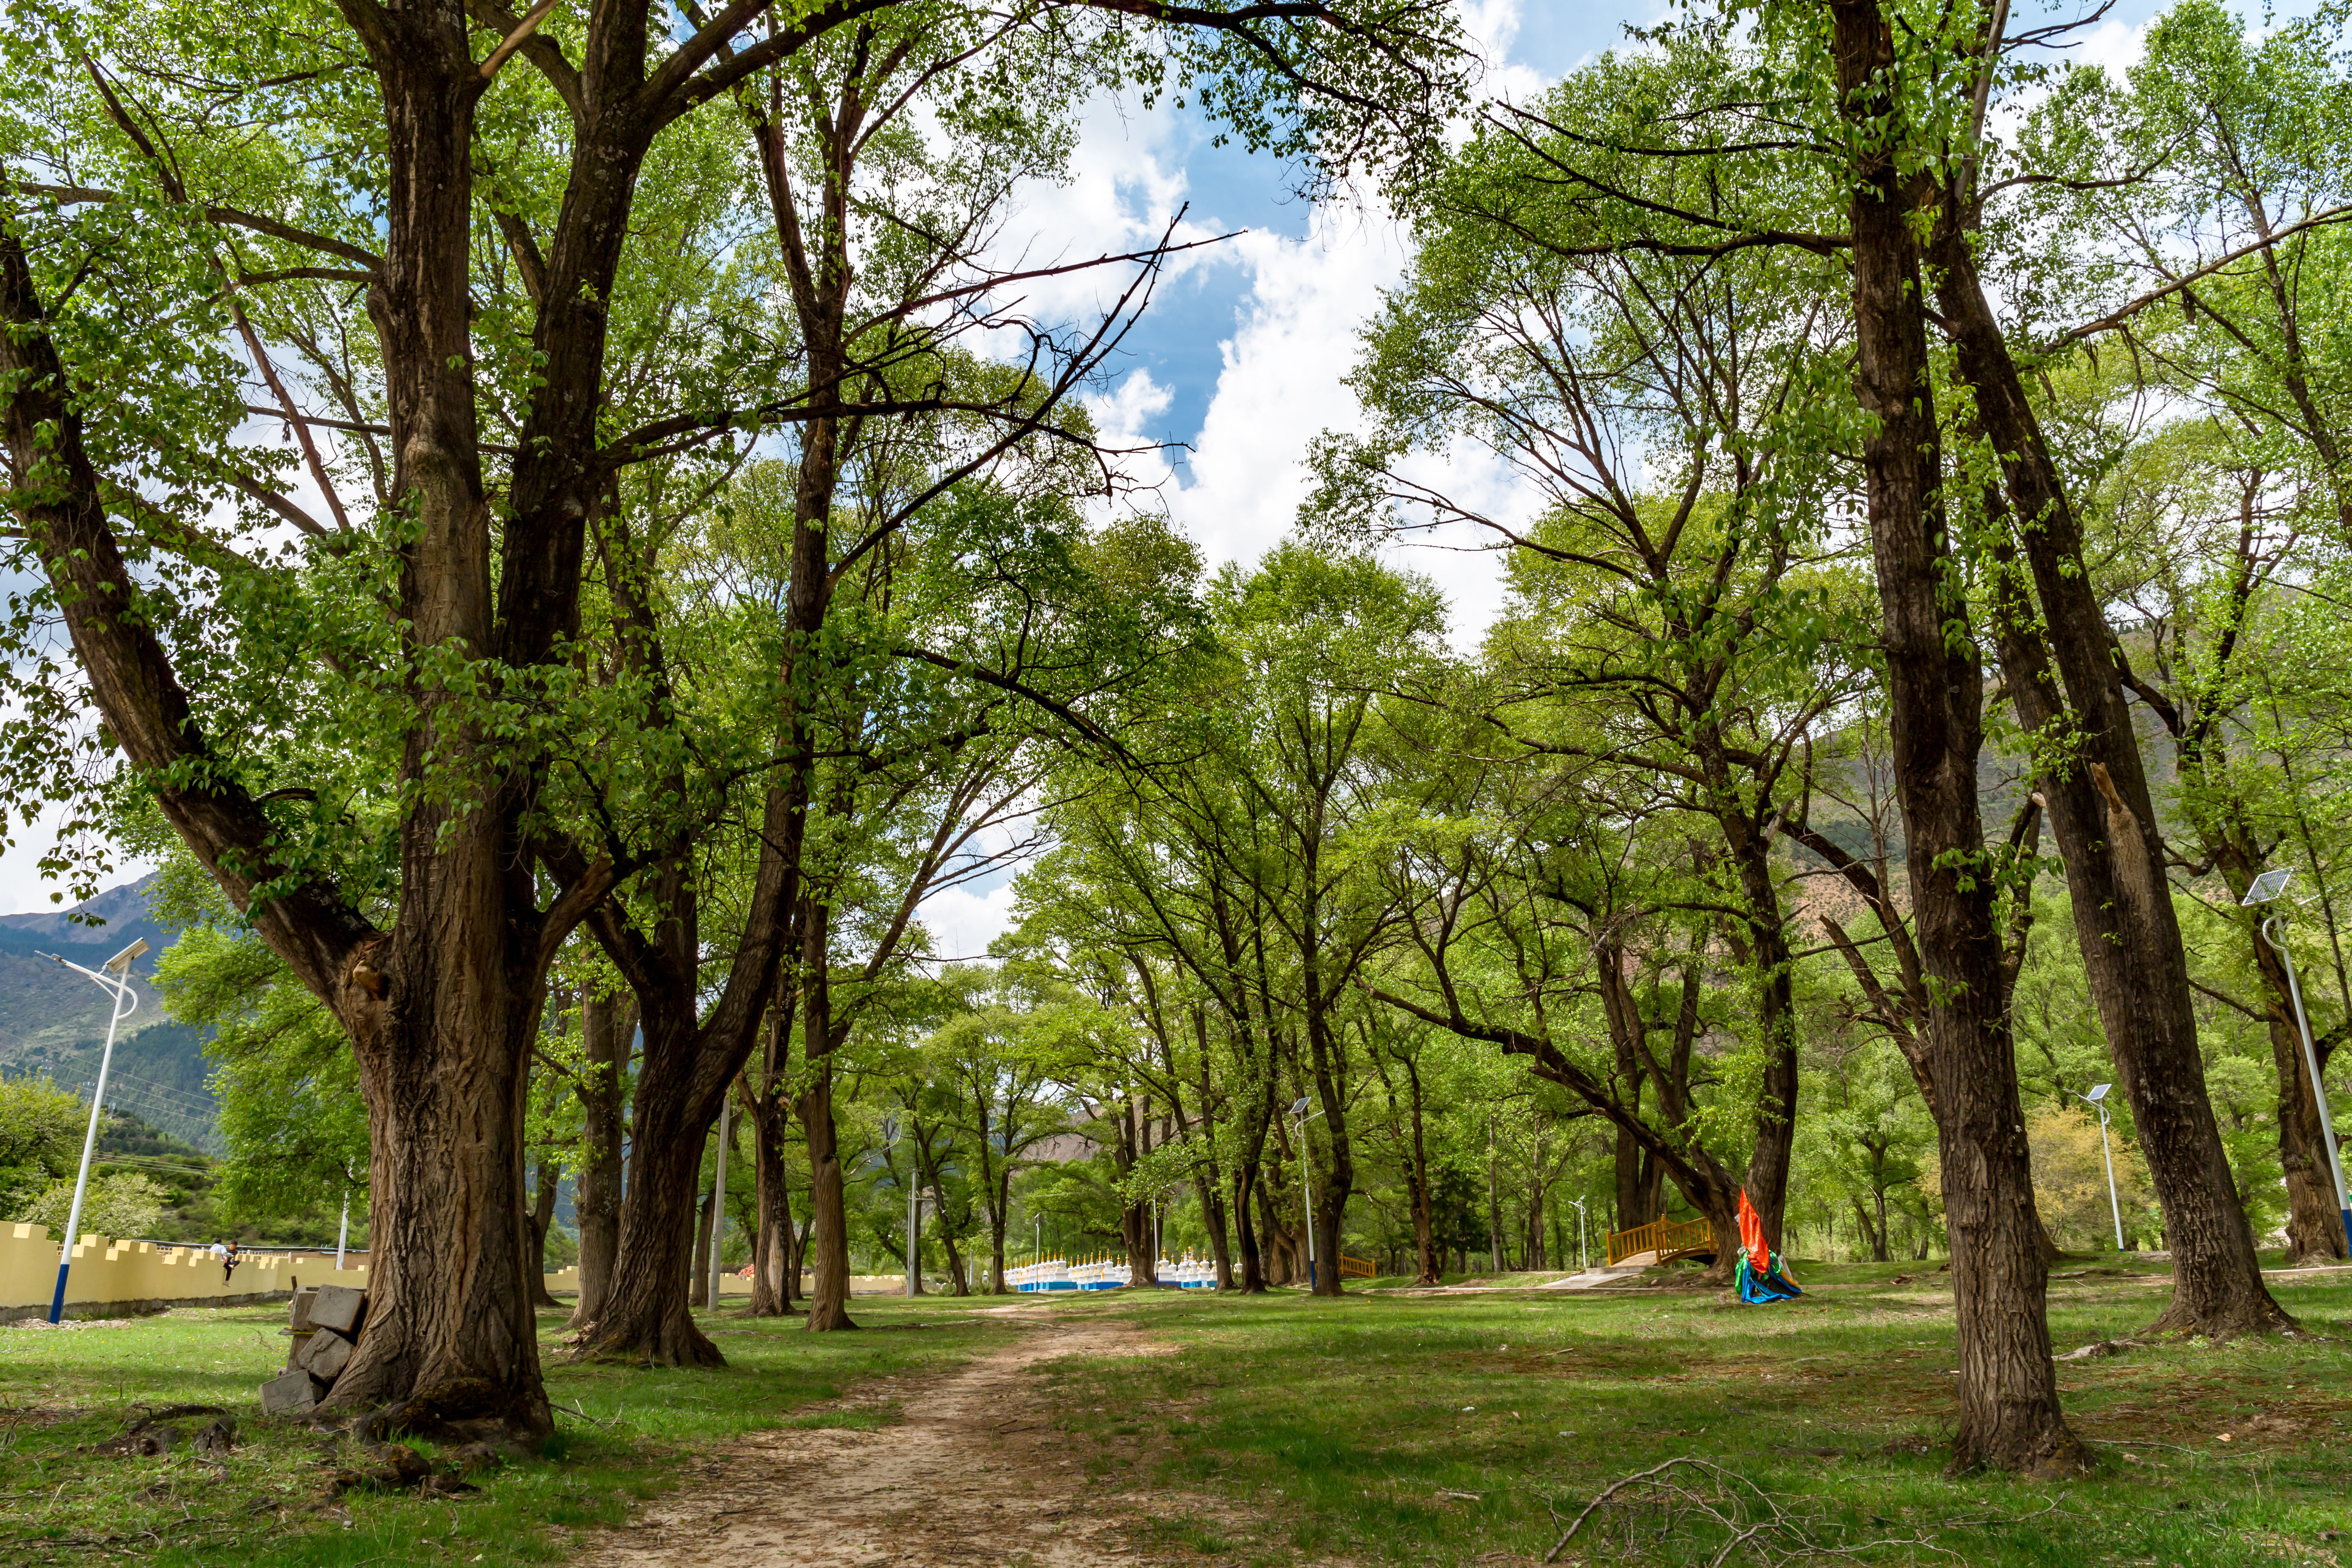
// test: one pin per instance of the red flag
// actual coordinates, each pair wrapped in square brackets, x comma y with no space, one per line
[1752,1236]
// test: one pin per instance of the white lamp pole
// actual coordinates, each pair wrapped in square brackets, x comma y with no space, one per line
[718,1199]
[1306,1180]
[914,1218]
[126,1002]
[1580,1232]
[2266,887]
[2097,1100]
[344,1231]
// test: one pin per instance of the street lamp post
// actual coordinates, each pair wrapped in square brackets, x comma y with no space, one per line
[914,1235]
[1581,1264]
[2267,886]
[718,1199]
[126,1002]
[1306,1180]
[2097,1100]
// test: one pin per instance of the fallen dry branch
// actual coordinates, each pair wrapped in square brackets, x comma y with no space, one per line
[1692,1511]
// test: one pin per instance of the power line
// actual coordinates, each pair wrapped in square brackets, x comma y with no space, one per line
[193,1097]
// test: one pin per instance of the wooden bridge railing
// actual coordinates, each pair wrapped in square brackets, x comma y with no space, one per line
[1666,1237]
[1356,1268]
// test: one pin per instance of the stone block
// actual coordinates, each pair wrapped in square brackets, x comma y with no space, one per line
[338,1307]
[326,1355]
[298,1314]
[290,1393]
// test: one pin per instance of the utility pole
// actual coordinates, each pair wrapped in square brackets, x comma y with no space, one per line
[126,1002]
[2267,886]
[718,1199]
[2097,1100]
[914,1237]
[1307,1180]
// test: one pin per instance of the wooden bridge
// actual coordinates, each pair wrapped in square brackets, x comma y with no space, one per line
[1662,1241]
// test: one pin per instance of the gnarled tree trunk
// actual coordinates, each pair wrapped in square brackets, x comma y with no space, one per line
[450,1334]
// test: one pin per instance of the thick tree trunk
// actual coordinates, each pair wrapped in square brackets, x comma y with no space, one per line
[1873,1239]
[1638,1188]
[2010,1416]
[1338,1180]
[2315,1226]
[1246,1178]
[1212,1216]
[1776,1103]
[608,1027]
[543,1217]
[450,1335]
[1766,941]
[958,1285]
[999,1215]
[828,1302]
[698,1276]
[1132,1125]
[1285,1263]
[1494,1209]
[2103,818]
[1424,1224]
[647,1314]
[772,1282]
[1135,1236]
[1722,1212]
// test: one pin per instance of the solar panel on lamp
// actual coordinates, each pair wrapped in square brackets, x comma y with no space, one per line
[2267,886]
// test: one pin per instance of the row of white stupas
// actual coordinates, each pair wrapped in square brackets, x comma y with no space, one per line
[1107,1272]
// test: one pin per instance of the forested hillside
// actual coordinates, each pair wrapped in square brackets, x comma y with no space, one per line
[53,1021]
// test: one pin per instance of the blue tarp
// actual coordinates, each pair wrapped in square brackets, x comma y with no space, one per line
[1773,1285]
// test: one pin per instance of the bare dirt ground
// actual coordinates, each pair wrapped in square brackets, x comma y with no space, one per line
[975,1474]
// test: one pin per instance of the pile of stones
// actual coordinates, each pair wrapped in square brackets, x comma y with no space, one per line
[325,1328]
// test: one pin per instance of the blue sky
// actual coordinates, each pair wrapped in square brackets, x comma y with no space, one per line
[1180,341]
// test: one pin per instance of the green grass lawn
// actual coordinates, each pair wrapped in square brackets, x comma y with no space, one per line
[1377,1428]
[1440,1430]
[622,1434]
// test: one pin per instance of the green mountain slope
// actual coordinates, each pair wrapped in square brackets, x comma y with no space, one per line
[53,1021]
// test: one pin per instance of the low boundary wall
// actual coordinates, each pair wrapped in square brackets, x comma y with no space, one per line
[113,1279]
[118,1279]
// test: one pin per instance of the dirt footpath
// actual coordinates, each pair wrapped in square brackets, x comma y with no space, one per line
[975,1475]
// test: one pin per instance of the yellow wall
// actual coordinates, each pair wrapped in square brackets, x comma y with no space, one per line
[111,1273]
[105,1271]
